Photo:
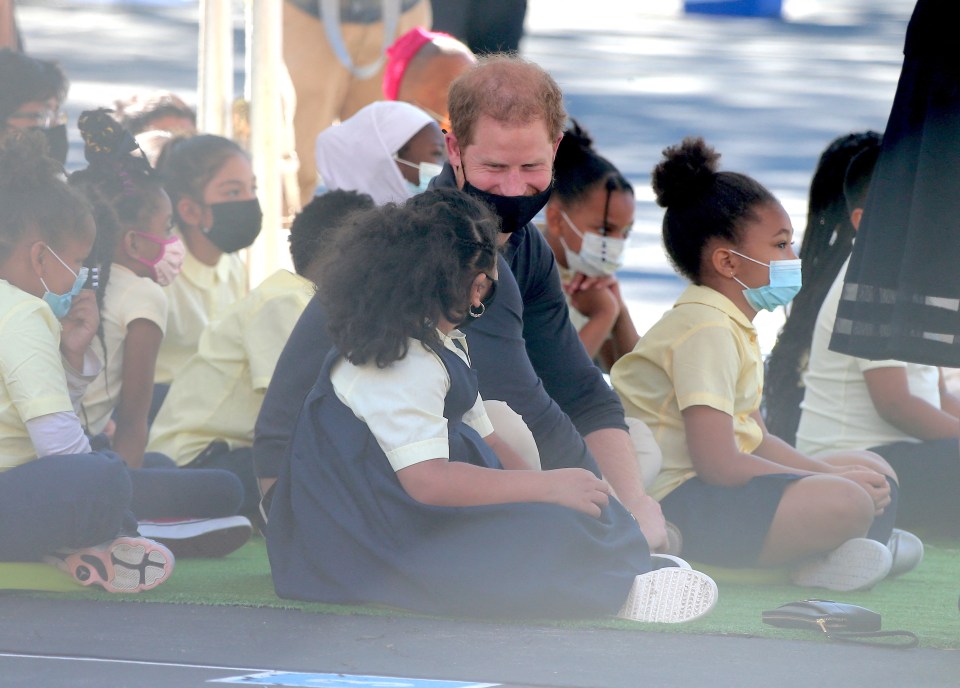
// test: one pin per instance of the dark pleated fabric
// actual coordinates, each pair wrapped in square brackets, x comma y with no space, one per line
[901,297]
[343,530]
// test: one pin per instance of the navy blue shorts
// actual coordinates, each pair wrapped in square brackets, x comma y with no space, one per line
[725,526]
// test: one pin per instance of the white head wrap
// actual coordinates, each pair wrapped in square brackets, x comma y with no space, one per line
[357,155]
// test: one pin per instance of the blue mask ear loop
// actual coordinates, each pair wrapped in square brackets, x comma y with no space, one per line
[766,265]
[54,254]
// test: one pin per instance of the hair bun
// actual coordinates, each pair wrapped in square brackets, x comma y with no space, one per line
[103,137]
[686,171]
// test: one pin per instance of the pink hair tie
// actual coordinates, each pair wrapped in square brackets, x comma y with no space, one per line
[399,55]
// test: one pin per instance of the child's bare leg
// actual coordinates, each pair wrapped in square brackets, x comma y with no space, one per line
[816,515]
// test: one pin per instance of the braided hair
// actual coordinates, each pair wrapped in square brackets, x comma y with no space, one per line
[119,183]
[827,243]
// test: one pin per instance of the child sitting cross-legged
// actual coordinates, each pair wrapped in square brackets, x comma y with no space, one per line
[59,500]
[398,492]
[741,496]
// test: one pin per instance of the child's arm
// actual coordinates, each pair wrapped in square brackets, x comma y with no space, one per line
[439,482]
[891,396]
[140,348]
[949,403]
[79,327]
[601,309]
[717,459]
[509,458]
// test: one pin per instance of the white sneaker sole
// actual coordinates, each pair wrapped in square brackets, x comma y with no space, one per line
[124,565]
[857,564]
[671,595]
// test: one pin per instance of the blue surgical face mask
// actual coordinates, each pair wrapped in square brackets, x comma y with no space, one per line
[785,282]
[60,303]
[426,170]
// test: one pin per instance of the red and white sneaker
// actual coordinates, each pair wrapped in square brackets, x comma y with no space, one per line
[124,565]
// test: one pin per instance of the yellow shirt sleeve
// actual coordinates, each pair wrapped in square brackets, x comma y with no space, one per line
[32,379]
[705,368]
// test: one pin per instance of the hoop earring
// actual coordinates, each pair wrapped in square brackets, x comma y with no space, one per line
[478,313]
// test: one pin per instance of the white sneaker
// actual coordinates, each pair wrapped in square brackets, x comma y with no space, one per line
[670,595]
[199,537]
[907,551]
[857,564]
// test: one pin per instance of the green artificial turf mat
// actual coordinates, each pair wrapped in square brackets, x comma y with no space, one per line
[923,601]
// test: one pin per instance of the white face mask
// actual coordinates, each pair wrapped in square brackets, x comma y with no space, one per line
[599,255]
[427,170]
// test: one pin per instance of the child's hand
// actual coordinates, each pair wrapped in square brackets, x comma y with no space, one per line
[581,282]
[873,482]
[79,327]
[578,489]
[597,304]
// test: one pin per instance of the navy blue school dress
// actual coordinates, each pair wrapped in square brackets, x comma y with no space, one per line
[343,530]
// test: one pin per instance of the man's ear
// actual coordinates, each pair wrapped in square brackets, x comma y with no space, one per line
[453,149]
[855,218]
[556,145]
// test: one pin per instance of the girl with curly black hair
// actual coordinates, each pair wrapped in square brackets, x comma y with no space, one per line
[395,490]
[741,496]
[59,500]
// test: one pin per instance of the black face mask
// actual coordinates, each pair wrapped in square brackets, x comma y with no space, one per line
[57,143]
[236,224]
[514,211]
[486,301]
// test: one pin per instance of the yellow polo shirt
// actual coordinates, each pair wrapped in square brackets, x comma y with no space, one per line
[218,393]
[199,294]
[32,379]
[702,352]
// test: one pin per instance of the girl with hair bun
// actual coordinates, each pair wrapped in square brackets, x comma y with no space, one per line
[395,491]
[138,255]
[59,500]
[588,220]
[740,496]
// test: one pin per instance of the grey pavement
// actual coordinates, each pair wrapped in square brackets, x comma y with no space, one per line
[640,75]
[76,643]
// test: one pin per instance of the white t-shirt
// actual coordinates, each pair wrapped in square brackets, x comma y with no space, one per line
[128,297]
[402,404]
[837,411]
